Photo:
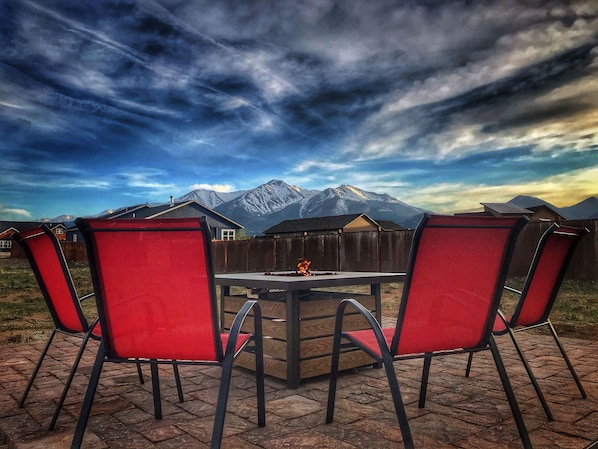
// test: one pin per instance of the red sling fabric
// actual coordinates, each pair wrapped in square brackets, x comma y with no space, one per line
[453,285]
[155,292]
[546,274]
[453,288]
[49,266]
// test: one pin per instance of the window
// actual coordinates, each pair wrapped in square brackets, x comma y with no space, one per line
[5,244]
[59,231]
[228,234]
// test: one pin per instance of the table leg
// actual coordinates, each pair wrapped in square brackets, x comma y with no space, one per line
[292,339]
[224,291]
[376,292]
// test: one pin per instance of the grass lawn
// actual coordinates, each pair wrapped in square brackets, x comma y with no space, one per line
[24,316]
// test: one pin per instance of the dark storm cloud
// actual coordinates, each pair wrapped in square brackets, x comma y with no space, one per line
[310,91]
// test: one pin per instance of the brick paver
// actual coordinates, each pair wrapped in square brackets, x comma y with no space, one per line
[460,412]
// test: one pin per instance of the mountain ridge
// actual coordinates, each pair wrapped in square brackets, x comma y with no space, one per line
[268,204]
[584,210]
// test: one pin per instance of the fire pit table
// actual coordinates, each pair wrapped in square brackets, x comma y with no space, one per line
[298,322]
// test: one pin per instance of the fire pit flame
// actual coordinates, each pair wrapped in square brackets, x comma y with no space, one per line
[303,266]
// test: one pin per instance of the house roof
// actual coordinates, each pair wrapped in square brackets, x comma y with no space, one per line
[506,209]
[126,210]
[155,211]
[8,227]
[169,207]
[389,225]
[315,224]
[538,208]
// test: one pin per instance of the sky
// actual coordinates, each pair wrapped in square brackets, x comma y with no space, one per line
[442,104]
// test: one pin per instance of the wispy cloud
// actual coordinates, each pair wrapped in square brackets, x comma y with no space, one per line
[460,197]
[9,214]
[143,99]
[224,188]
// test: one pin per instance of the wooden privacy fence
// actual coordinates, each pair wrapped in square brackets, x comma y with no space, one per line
[380,251]
[363,251]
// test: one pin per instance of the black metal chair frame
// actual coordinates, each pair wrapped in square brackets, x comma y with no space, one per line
[389,354]
[58,325]
[226,359]
[544,321]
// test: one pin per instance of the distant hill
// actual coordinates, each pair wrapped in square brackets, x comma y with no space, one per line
[586,209]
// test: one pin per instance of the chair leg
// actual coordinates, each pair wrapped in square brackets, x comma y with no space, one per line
[67,385]
[398,401]
[139,373]
[259,368]
[567,361]
[423,389]
[531,376]
[177,379]
[37,367]
[217,431]
[333,379]
[510,395]
[88,400]
[469,362]
[156,389]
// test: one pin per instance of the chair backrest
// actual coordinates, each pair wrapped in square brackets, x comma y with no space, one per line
[546,273]
[154,287]
[53,276]
[456,273]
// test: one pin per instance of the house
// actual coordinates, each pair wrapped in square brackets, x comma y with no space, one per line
[389,225]
[222,228]
[541,212]
[7,228]
[334,224]
[545,213]
[505,210]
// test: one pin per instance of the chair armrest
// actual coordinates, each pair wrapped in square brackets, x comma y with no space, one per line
[511,289]
[503,318]
[238,321]
[369,317]
[84,297]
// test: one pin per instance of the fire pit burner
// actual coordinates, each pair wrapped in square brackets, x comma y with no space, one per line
[297,273]
[302,270]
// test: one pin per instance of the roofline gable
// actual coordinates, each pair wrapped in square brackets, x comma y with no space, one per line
[189,202]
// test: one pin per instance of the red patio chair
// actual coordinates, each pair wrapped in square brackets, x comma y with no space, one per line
[45,255]
[456,272]
[542,284]
[48,263]
[156,300]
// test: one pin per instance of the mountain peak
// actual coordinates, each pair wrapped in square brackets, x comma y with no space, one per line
[352,190]
[267,198]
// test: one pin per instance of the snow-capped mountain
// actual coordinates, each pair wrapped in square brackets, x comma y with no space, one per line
[268,204]
[347,199]
[210,198]
[266,199]
[59,219]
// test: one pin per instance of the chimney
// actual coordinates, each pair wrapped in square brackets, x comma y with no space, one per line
[171,201]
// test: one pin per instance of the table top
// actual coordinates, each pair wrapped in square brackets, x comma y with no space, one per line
[279,280]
